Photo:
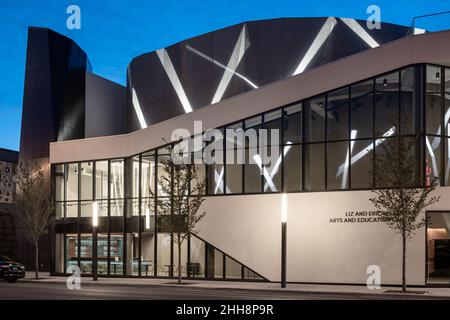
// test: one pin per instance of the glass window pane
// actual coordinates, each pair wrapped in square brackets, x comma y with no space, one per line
[315,166]
[86,209]
[71,252]
[183,265]
[234,160]
[135,177]
[361,108]
[361,163]
[164,261]
[337,114]
[432,158]
[386,102]
[148,174]
[315,123]
[338,165]
[218,264]
[72,181]
[215,179]
[101,180]
[233,269]
[407,94]
[116,254]
[87,171]
[433,100]
[272,122]
[293,168]
[116,208]
[162,174]
[447,162]
[71,209]
[116,179]
[252,172]
[59,182]
[272,170]
[197,264]
[292,124]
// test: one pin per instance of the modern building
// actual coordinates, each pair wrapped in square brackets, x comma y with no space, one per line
[334,88]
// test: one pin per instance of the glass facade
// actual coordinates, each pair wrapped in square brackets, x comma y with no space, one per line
[326,143]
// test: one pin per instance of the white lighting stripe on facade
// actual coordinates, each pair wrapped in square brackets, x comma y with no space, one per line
[241,46]
[217,63]
[363,34]
[137,109]
[419,31]
[365,151]
[317,43]
[349,153]
[433,157]
[173,77]
[147,218]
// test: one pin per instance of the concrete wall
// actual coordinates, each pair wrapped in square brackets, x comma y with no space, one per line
[248,228]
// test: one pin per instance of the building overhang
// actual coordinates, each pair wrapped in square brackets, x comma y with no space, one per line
[423,48]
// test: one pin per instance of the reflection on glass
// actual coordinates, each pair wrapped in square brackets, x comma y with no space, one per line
[361,108]
[292,124]
[361,164]
[165,266]
[386,102]
[72,181]
[432,158]
[116,179]
[197,264]
[337,114]
[87,171]
[116,254]
[433,96]
[293,169]
[315,123]
[59,182]
[101,180]
[148,173]
[233,270]
[407,116]
[337,165]
[252,172]
[314,166]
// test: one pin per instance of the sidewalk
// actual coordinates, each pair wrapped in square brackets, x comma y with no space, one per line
[224,285]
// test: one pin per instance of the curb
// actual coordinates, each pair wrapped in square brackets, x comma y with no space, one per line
[361,295]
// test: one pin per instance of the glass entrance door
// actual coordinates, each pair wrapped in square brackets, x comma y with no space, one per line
[438,248]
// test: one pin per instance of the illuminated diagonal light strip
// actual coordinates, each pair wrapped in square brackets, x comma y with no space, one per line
[268,176]
[317,43]
[238,52]
[217,63]
[276,167]
[365,151]
[419,31]
[349,152]
[219,181]
[363,34]
[137,108]
[433,157]
[173,77]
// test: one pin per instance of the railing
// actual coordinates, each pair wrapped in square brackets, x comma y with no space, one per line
[430,23]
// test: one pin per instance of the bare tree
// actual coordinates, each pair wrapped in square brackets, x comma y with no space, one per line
[400,197]
[34,203]
[179,209]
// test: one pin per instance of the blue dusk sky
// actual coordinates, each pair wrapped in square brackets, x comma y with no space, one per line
[113,32]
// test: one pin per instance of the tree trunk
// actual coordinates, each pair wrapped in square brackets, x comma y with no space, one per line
[404,263]
[179,262]
[36,246]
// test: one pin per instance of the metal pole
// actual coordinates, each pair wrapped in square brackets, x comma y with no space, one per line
[283,253]
[94,254]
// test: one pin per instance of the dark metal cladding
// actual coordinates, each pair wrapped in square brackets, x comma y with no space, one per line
[268,50]
[53,101]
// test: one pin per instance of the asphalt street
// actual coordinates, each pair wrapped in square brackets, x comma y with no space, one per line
[59,291]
